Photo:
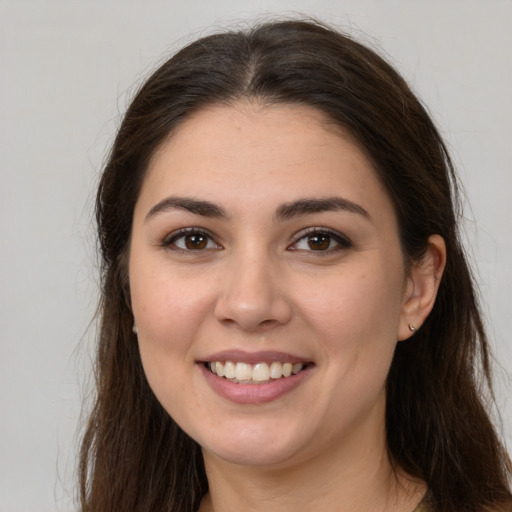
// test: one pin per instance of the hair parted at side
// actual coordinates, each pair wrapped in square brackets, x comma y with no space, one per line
[133,455]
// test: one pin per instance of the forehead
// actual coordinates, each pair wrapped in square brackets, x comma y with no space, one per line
[281,152]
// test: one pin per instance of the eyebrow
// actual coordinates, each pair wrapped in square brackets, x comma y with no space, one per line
[329,204]
[284,212]
[198,207]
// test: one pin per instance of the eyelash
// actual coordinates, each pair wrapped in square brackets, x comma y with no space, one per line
[341,240]
[170,241]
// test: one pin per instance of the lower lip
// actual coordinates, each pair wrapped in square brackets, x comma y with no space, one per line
[254,393]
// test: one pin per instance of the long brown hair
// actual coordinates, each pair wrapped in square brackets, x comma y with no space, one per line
[133,455]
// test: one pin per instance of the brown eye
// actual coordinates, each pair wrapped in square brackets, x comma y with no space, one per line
[319,242]
[196,241]
[191,240]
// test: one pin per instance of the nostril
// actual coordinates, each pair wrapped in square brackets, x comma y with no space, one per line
[256,315]
[249,325]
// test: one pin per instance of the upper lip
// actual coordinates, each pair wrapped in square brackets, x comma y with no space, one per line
[265,356]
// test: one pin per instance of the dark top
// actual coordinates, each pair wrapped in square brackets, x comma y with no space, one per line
[425,505]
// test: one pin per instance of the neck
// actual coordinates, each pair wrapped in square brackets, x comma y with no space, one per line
[364,480]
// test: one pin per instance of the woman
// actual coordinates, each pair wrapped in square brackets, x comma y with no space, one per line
[288,318]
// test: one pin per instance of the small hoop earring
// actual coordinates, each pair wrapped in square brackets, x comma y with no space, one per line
[135,329]
[412,328]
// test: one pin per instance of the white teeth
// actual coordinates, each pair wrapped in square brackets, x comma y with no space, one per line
[276,370]
[296,368]
[260,372]
[230,370]
[219,369]
[243,371]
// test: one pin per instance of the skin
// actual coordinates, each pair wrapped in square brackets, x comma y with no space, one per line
[258,281]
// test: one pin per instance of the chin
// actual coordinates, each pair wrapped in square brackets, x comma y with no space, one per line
[254,457]
[249,447]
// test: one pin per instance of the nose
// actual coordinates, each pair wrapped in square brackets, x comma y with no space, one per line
[250,296]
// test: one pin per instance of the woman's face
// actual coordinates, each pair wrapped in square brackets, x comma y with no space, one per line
[264,246]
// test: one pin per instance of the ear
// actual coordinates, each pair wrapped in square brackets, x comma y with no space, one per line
[421,287]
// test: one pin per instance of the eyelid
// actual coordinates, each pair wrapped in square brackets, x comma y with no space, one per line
[337,236]
[171,238]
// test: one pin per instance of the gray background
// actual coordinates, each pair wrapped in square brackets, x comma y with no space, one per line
[66,71]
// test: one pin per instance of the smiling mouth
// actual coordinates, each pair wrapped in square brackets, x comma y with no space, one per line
[259,373]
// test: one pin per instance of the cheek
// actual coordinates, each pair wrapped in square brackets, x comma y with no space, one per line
[164,300]
[168,310]
[356,322]
[353,302]
[168,315]
[355,319]
[167,318]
